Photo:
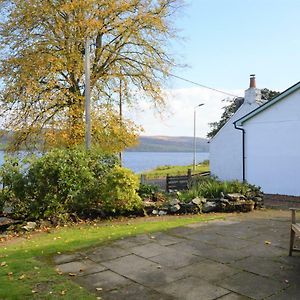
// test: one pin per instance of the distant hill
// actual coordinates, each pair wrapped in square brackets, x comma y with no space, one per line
[170,144]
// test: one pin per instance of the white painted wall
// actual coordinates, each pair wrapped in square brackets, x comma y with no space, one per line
[272,144]
[226,160]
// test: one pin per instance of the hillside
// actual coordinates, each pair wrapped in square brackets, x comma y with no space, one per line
[170,144]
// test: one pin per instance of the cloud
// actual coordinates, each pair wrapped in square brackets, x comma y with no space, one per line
[178,118]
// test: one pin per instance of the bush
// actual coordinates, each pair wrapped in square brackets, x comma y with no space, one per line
[147,191]
[119,194]
[209,187]
[60,182]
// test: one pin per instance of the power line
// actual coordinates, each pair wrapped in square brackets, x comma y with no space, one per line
[176,76]
[202,85]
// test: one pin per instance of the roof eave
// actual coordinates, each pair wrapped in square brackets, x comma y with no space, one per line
[263,107]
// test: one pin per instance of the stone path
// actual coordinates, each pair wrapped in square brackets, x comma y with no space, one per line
[242,257]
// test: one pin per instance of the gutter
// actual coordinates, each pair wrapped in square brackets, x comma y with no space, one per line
[243,149]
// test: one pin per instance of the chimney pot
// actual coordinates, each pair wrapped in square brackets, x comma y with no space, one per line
[252,81]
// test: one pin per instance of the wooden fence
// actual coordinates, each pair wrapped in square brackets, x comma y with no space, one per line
[177,182]
[182,182]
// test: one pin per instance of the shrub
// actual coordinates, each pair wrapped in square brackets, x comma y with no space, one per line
[59,182]
[147,191]
[119,193]
[209,187]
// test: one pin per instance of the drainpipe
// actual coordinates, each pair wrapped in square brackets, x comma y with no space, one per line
[243,147]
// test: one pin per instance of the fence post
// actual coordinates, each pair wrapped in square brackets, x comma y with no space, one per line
[167,183]
[143,178]
[189,180]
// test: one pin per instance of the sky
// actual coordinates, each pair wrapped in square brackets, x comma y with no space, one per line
[223,42]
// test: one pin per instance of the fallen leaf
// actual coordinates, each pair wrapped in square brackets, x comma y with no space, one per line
[72,274]
[3,264]
[22,277]
[286,281]
[99,289]
[267,243]
[34,291]
[36,268]
[10,273]
[63,292]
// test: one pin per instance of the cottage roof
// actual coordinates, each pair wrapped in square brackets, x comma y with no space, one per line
[266,105]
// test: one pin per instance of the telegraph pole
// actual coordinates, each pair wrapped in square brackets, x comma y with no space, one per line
[121,114]
[87,95]
[194,152]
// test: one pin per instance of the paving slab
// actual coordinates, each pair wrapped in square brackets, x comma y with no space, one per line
[150,250]
[192,247]
[210,271]
[106,253]
[133,241]
[225,256]
[144,271]
[134,292]
[234,296]
[252,286]
[166,239]
[176,259]
[290,293]
[192,288]
[81,267]
[106,280]
[262,266]
[65,258]
[230,243]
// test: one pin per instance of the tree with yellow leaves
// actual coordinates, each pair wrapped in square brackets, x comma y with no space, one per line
[42,72]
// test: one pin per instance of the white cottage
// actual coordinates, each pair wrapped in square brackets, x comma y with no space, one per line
[272,144]
[226,147]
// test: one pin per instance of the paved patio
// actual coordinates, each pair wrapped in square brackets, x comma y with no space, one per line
[242,257]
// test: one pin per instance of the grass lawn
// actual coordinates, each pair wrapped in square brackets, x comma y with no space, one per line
[26,271]
[162,171]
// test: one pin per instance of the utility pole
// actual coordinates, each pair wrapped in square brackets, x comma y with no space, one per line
[194,156]
[87,95]
[121,113]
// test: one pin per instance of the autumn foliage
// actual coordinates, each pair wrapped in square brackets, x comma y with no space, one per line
[41,69]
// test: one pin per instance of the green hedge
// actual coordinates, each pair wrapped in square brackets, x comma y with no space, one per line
[64,182]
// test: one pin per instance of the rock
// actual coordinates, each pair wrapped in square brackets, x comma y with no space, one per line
[154,212]
[203,200]
[30,226]
[162,213]
[209,207]
[175,208]
[174,202]
[148,204]
[6,222]
[197,201]
[225,201]
[45,223]
[235,197]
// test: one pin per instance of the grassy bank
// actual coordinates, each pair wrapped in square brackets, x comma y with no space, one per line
[162,171]
[26,271]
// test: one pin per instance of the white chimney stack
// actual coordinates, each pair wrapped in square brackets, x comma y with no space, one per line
[252,94]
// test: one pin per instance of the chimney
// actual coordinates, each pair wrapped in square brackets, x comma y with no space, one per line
[252,95]
[252,81]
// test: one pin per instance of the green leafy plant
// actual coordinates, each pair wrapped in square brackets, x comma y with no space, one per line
[55,184]
[147,191]
[209,187]
[119,193]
